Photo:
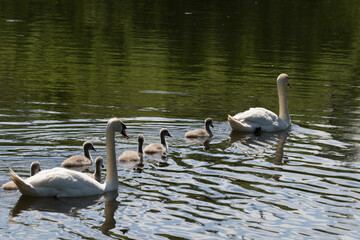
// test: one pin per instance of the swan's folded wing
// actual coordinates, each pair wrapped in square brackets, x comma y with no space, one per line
[24,187]
[239,125]
[260,116]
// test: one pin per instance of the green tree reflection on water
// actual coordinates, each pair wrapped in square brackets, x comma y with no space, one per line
[177,58]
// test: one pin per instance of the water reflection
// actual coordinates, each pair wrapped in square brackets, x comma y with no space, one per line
[279,154]
[136,166]
[205,141]
[257,144]
[64,60]
[69,206]
[254,144]
[111,205]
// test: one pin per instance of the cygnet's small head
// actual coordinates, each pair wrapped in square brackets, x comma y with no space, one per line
[34,168]
[164,132]
[141,139]
[118,126]
[283,79]
[209,122]
[99,162]
[88,146]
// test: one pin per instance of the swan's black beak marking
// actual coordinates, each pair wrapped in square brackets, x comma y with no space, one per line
[123,132]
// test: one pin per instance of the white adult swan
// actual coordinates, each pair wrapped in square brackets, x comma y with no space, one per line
[62,182]
[260,119]
[34,169]
[80,160]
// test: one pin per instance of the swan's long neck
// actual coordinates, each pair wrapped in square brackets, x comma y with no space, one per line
[163,141]
[283,107]
[111,169]
[207,128]
[32,171]
[140,147]
[34,168]
[87,153]
[97,173]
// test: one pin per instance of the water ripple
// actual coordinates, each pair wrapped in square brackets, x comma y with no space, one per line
[280,184]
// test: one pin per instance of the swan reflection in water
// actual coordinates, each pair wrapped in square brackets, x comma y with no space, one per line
[279,154]
[253,145]
[201,141]
[70,206]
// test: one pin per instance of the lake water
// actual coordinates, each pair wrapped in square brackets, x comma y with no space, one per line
[66,67]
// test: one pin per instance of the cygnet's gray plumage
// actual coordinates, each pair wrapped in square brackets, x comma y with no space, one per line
[98,166]
[161,147]
[201,133]
[133,156]
[80,160]
[34,169]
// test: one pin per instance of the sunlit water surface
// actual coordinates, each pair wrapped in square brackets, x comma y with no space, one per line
[67,68]
[284,184]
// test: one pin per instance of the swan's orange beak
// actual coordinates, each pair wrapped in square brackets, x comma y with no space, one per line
[123,132]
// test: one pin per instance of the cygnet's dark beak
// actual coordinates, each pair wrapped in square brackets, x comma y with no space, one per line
[93,149]
[289,85]
[169,135]
[102,166]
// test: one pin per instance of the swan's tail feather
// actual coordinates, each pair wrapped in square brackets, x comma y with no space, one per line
[237,125]
[24,187]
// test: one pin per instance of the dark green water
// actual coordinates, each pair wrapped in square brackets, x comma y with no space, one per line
[66,67]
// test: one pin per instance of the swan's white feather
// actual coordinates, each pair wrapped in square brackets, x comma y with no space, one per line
[62,182]
[249,120]
[258,115]
[261,119]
